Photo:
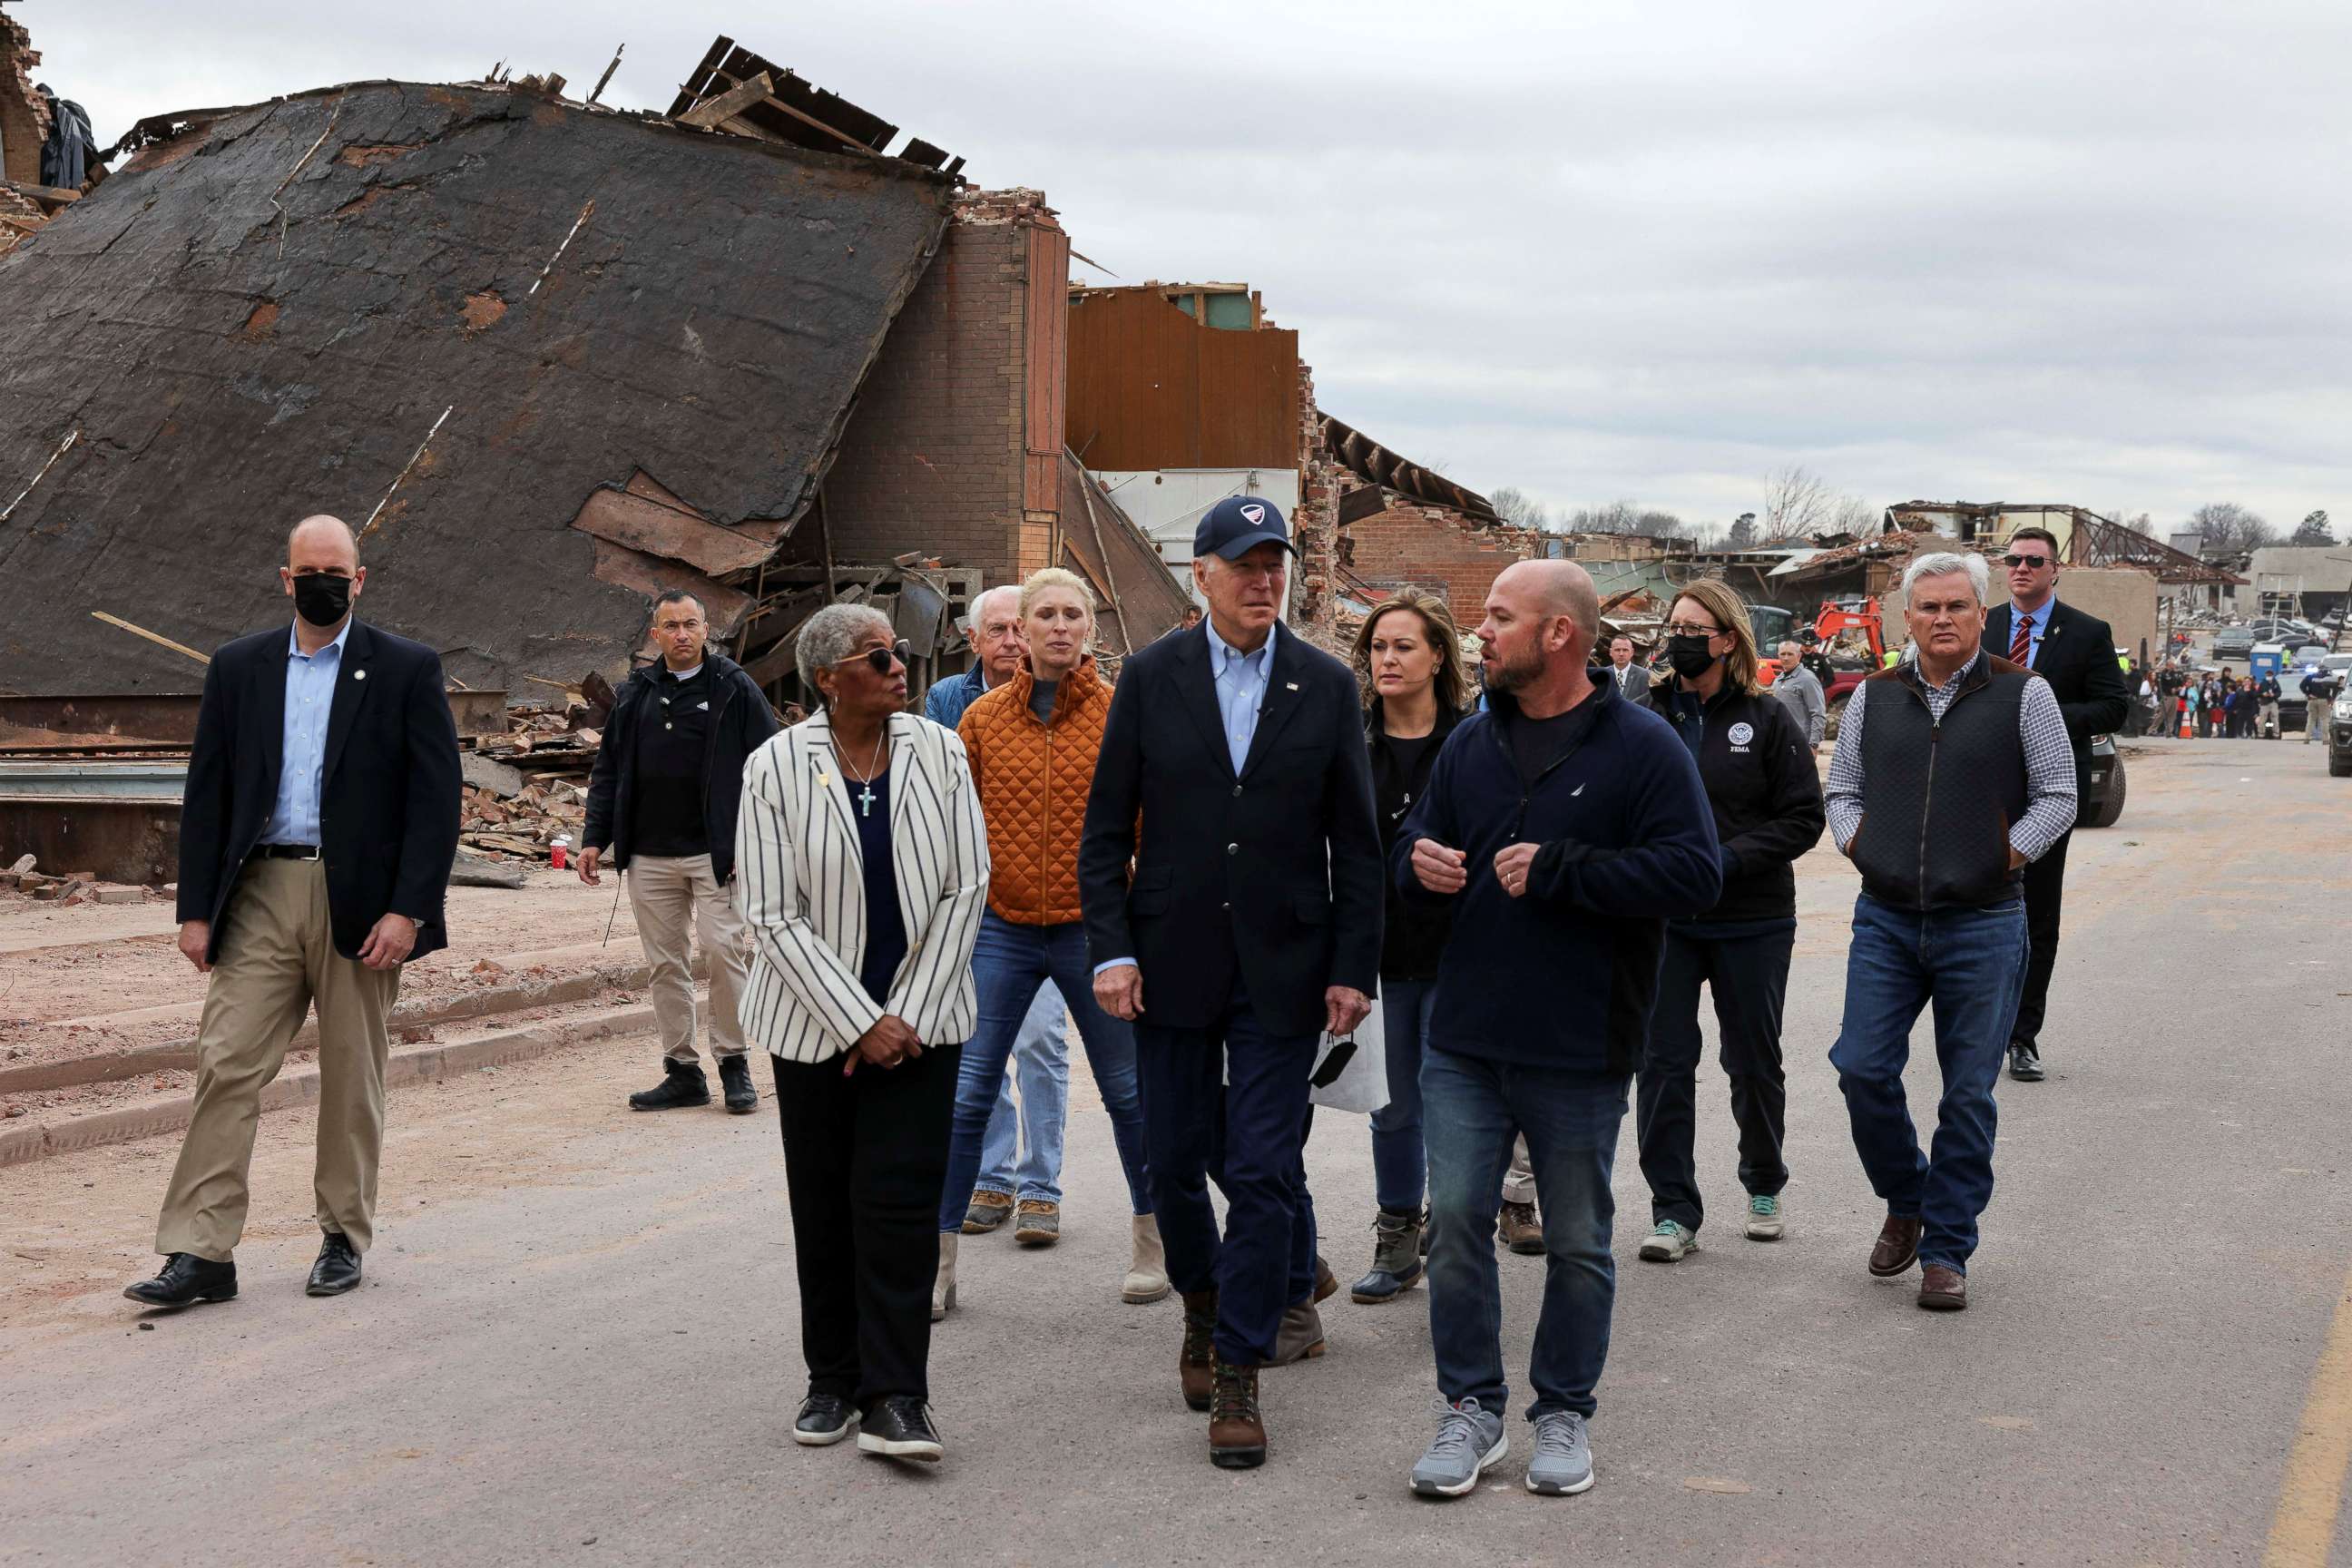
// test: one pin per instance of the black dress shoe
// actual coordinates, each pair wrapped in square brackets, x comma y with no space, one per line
[823,1418]
[2024,1063]
[682,1084]
[185,1280]
[735,1076]
[338,1269]
[899,1427]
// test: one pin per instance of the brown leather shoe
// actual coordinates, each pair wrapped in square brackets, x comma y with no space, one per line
[1522,1229]
[1897,1246]
[1327,1284]
[1236,1430]
[1196,1365]
[1943,1289]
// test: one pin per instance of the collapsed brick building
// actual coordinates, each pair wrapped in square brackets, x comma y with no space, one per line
[24,127]
[551,359]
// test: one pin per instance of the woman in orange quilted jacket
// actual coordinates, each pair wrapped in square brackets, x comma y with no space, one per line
[1031,742]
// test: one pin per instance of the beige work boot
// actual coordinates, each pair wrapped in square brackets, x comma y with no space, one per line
[943,1283]
[1147,1275]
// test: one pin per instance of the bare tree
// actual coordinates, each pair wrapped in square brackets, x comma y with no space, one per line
[2314,529]
[1515,507]
[2225,525]
[1616,517]
[1796,501]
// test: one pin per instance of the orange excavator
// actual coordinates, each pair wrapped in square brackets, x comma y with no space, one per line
[1841,630]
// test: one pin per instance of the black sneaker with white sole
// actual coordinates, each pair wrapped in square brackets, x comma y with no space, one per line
[899,1427]
[823,1418]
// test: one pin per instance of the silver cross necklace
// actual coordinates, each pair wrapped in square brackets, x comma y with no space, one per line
[873,763]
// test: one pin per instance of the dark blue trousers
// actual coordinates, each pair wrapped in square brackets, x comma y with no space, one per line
[1228,1103]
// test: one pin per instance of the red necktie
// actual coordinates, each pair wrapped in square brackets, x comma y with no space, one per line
[2020,647]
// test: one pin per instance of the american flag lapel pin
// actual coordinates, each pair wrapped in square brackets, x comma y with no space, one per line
[358,675]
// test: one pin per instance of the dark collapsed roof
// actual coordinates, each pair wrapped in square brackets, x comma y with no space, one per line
[654,331]
[1375,464]
[787,109]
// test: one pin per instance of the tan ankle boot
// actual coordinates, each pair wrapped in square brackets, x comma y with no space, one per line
[943,1282]
[1147,1275]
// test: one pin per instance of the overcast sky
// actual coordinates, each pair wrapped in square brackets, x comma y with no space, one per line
[2088,253]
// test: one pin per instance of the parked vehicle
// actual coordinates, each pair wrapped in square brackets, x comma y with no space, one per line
[2105,802]
[2340,737]
[2234,642]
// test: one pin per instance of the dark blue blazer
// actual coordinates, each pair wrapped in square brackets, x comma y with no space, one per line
[389,801]
[1277,869]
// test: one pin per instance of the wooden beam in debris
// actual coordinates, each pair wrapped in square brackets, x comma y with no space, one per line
[711,111]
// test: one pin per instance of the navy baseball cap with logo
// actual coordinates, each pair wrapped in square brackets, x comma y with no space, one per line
[1239,524]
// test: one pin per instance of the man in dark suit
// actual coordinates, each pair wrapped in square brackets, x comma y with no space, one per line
[1252,924]
[316,838]
[2075,653]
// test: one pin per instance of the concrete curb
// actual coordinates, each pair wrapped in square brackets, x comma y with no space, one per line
[419,1064]
[179,1056]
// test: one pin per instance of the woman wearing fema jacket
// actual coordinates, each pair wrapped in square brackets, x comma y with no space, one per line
[1409,654]
[1766,797]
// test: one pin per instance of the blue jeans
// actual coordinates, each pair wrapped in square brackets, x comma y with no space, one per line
[1021,1154]
[1970,964]
[1472,1109]
[1400,1162]
[1228,1103]
[1008,964]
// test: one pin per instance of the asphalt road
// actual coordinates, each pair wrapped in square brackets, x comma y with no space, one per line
[577,1342]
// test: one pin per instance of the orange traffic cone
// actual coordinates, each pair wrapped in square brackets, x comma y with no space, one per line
[2184,726]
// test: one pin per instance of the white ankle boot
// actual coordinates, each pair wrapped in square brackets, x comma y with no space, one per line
[943,1282]
[1147,1276]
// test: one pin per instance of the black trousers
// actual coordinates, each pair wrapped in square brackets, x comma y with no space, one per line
[864,1158]
[2045,894]
[1749,978]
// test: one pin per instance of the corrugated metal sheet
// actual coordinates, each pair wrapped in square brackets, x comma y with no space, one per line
[1150,387]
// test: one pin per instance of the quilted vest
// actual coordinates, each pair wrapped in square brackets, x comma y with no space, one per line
[1033,780]
[1938,796]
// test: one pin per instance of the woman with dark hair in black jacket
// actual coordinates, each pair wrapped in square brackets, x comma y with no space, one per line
[1410,657]
[1760,780]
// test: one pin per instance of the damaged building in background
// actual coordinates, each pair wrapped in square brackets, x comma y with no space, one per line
[551,359]
[46,159]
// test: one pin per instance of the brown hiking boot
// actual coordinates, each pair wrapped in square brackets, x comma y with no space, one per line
[1037,1223]
[1196,1365]
[1522,1231]
[1898,1245]
[1943,1289]
[988,1212]
[1236,1430]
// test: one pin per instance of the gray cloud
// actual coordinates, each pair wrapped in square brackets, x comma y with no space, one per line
[2088,253]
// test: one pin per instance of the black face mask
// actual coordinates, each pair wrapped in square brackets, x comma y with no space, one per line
[1689,656]
[323,598]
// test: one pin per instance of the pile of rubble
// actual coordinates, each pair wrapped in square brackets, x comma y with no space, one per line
[529,787]
[64,888]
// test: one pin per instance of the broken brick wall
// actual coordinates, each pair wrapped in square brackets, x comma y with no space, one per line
[23,115]
[935,457]
[1315,526]
[1437,550]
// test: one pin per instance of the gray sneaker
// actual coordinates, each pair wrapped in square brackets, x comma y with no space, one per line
[1669,1242]
[1469,1441]
[1562,1463]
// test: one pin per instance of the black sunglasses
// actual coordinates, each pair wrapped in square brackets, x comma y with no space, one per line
[880,659]
[2014,559]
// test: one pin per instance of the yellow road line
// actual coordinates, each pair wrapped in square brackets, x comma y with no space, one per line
[2304,1525]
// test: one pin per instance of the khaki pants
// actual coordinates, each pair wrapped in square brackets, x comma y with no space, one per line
[671,894]
[277,957]
[1520,1184]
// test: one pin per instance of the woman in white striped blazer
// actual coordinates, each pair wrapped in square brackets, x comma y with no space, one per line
[862,864]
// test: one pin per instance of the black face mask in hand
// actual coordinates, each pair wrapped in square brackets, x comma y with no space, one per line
[1689,657]
[323,598]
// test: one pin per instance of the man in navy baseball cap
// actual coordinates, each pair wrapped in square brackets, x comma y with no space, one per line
[1238,524]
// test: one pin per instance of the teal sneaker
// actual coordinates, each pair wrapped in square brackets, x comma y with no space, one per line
[1765,1221]
[1669,1242]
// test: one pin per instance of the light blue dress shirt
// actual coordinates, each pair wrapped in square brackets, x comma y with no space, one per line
[1241,687]
[309,699]
[1241,680]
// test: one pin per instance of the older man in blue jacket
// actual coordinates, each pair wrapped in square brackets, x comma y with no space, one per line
[1565,825]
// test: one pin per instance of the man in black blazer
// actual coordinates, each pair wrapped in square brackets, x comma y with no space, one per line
[2075,653]
[316,838]
[1234,774]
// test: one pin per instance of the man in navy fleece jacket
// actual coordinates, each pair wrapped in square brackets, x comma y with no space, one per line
[1565,825]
